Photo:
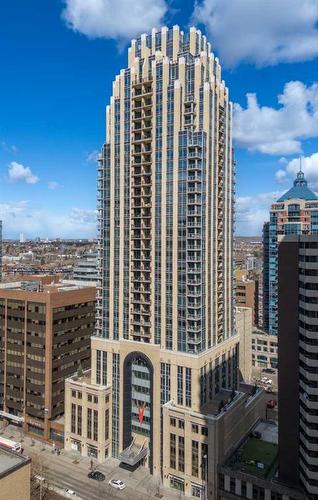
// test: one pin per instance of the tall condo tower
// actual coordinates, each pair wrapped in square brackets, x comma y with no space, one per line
[296,212]
[165,324]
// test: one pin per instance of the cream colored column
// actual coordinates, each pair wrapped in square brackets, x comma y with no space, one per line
[122,235]
[176,129]
[165,82]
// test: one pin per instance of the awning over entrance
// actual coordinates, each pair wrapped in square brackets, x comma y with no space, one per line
[9,416]
[133,454]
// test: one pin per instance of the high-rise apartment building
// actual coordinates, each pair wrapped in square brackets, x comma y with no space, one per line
[45,330]
[298,362]
[165,308]
[296,212]
[86,268]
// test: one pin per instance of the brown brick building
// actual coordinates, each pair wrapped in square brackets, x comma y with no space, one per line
[45,330]
[247,294]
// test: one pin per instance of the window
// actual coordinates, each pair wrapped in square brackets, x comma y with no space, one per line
[172,451]
[95,399]
[73,394]
[89,398]
[196,491]
[204,431]
[79,395]
[98,367]
[173,422]
[79,420]
[89,423]
[177,484]
[188,387]
[195,458]
[243,488]
[181,424]
[106,424]
[181,453]
[73,419]
[195,428]
[180,385]
[95,431]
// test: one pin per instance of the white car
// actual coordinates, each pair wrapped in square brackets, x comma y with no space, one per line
[269,382]
[69,492]
[264,380]
[117,483]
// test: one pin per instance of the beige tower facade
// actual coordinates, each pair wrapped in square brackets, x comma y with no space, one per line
[165,309]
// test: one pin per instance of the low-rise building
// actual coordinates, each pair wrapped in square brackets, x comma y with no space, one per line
[194,443]
[250,472]
[87,417]
[264,350]
[45,330]
[15,475]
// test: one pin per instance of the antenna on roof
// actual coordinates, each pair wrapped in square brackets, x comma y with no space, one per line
[300,164]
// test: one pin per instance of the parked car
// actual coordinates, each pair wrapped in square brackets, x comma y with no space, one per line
[117,484]
[98,476]
[268,370]
[69,492]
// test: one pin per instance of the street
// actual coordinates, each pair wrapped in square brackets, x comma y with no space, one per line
[67,471]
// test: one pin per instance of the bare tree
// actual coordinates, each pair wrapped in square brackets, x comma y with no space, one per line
[39,482]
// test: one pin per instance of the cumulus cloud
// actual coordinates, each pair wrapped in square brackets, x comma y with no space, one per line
[253,211]
[278,130]
[21,217]
[309,167]
[120,19]
[262,32]
[19,173]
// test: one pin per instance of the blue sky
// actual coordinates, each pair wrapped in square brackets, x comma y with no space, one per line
[58,61]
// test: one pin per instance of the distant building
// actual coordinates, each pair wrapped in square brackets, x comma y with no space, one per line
[22,239]
[15,475]
[296,212]
[244,326]
[298,362]
[86,268]
[247,294]
[45,330]
[264,350]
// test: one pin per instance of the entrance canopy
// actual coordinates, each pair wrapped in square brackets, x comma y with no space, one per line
[133,454]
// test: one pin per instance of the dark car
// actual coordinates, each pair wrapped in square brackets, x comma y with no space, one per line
[98,476]
[269,370]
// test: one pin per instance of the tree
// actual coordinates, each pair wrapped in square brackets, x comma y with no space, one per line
[39,483]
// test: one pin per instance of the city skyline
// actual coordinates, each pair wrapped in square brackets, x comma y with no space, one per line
[47,157]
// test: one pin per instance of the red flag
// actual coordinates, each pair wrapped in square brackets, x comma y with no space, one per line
[141,411]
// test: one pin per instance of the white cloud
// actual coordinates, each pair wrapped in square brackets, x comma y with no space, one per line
[53,185]
[278,130]
[20,173]
[120,19]
[264,32]
[253,211]
[20,217]
[309,167]
[281,176]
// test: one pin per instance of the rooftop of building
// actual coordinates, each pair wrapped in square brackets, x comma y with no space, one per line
[299,191]
[257,455]
[11,461]
[45,283]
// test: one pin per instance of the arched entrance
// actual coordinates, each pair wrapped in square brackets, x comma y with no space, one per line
[137,410]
